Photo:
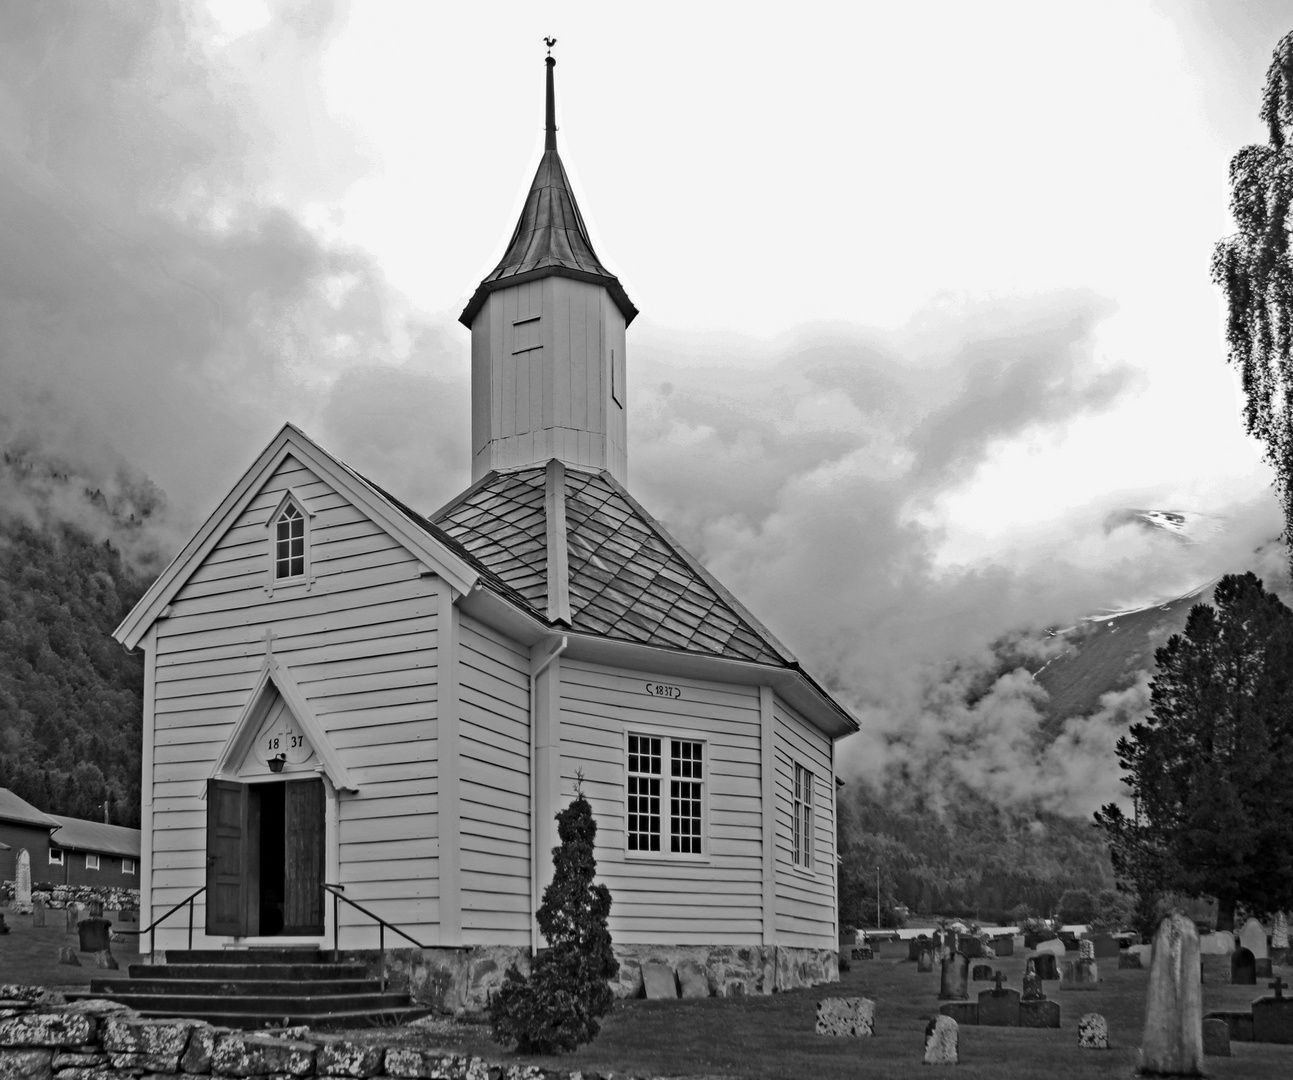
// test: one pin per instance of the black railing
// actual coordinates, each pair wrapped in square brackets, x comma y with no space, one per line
[153,926]
[382,924]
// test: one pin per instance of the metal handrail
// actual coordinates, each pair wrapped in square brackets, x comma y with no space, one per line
[382,924]
[150,928]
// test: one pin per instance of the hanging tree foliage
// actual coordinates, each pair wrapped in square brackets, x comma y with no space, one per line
[1254,267]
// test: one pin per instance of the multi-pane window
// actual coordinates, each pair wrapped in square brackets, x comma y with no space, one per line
[289,543]
[802,824]
[91,861]
[656,823]
[127,866]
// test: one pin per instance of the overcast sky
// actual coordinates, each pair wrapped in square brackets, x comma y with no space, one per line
[924,292]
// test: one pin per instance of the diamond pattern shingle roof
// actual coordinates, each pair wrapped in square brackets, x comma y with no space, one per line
[628,579]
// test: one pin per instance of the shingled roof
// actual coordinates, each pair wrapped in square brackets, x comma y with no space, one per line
[579,551]
[550,238]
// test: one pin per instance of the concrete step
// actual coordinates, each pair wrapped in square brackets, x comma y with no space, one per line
[234,986]
[297,955]
[267,1007]
[229,970]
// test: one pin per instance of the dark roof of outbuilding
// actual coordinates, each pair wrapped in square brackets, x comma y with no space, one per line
[12,808]
[78,834]
[550,238]
[612,570]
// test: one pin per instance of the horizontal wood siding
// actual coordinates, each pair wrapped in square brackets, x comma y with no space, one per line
[494,788]
[805,900]
[716,900]
[360,642]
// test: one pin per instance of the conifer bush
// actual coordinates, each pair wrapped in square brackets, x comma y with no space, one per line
[557,1008]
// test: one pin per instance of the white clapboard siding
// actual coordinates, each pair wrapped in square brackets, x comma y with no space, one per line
[805,900]
[717,900]
[494,786]
[359,640]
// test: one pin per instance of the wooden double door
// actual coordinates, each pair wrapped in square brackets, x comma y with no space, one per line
[265,858]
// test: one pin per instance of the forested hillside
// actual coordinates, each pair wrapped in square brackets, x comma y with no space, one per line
[967,856]
[71,698]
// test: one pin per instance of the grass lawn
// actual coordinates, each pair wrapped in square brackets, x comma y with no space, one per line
[29,954]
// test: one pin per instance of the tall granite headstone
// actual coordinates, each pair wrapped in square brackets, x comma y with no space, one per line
[1172,1043]
[1243,967]
[954,984]
[22,884]
[925,959]
[38,912]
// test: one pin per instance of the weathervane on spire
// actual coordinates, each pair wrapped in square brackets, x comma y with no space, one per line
[549,42]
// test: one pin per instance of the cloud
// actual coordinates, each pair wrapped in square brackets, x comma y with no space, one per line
[164,310]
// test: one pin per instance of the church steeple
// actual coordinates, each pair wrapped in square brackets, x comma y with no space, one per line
[547,327]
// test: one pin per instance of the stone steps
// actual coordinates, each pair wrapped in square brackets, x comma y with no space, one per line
[255,988]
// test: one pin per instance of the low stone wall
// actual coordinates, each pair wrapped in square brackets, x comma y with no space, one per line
[61,896]
[43,1039]
[460,981]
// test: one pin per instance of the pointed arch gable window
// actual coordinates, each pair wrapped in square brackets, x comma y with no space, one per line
[289,543]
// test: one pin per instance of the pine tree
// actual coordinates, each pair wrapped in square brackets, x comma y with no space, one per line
[557,1008]
[1209,767]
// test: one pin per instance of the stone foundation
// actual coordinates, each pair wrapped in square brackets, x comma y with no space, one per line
[460,981]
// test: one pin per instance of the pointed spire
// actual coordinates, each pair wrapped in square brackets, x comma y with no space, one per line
[550,239]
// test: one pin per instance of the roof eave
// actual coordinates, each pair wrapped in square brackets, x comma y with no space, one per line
[611,284]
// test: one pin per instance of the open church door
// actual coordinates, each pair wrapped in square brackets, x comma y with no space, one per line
[226,857]
[303,814]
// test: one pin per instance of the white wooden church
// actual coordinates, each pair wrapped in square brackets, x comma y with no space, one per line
[340,690]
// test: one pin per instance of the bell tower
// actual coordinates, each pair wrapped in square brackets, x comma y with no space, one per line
[547,337]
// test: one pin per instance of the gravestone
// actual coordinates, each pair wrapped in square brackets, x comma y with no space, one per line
[1218,943]
[1086,950]
[1129,960]
[1093,1032]
[953,986]
[73,915]
[1045,965]
[914,945]
[1105,946]
[963,1012]
[1279,938]
[1216,1038]
[981,973]
[1039,1014]
[1055,947]
[1079,975]
[968,945]
[104,959]
[1003,946]
[1273,1016]
[941,1037]
[658,982]
[67,955]
[693,982]
[1239,1024]
[999,1007]
[1252,936]
[22,884]
[1033,987]
[853,1017]
[925,960]
[1243,968]
[38,912]
[1172,1043]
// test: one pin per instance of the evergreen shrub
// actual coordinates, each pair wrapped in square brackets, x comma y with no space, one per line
[558,1007]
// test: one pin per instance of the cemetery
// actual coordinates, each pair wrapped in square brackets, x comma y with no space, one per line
[1030,1016]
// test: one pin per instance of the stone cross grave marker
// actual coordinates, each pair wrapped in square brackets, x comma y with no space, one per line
[1273,1016]
[999,1007]
[22,884]
[1172,1042]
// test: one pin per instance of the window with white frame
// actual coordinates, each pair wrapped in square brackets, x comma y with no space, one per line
[91,861]
[666,795]
[127,866]
[802,823]
[55,856]
[289,543]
